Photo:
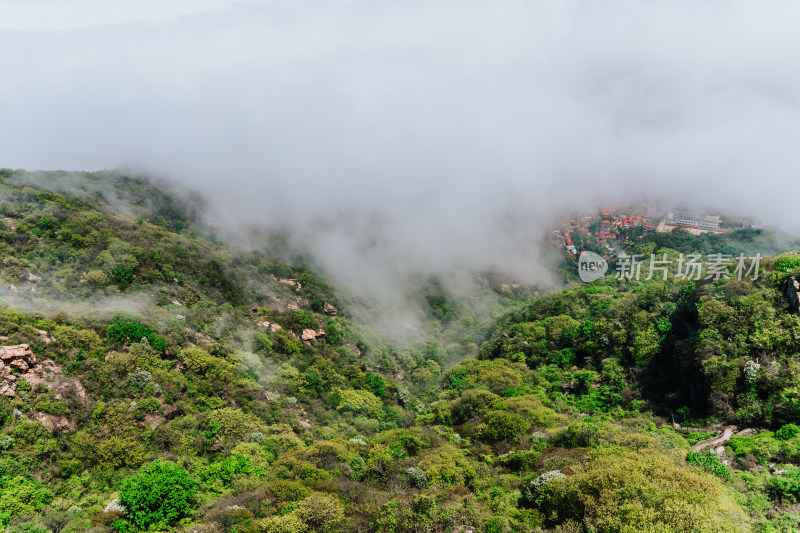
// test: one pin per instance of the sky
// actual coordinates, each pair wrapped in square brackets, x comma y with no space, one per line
[393,138]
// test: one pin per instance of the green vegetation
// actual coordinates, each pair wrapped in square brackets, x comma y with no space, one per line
[179,395]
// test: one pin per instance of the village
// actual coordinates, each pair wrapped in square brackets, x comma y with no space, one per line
[608,231]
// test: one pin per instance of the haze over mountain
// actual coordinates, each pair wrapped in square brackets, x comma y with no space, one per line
[396,138]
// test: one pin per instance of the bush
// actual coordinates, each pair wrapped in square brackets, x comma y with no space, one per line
[417,478]
[122,275]
[534,484]
[786,487]
[158,496]
[6,442]
[615,489]
[290,523]
[123,332]
[21,495]
[500,426]
[787,432]
[710,463]
[320,511]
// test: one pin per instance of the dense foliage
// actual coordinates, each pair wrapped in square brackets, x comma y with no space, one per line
[181,396]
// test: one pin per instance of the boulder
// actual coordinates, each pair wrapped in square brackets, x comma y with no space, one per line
[19,364]
[17,351]
[292,283]
[28,276]
[310,334]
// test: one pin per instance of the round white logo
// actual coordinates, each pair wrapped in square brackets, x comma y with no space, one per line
[591,266]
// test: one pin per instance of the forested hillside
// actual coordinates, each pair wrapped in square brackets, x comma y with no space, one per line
[154,379]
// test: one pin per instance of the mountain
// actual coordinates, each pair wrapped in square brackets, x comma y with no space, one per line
[155,378]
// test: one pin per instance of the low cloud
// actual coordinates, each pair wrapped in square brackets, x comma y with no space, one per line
[396,138]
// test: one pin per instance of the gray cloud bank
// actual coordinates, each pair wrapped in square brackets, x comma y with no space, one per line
[418,136]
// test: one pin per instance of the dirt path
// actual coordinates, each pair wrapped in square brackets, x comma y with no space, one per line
[720,439]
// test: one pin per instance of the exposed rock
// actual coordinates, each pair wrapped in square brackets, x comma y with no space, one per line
[176,302]
[19,364]
[152,421]
[328,309]
[46,337]
[45,373]
[266,324]
[55,423]
[200,338]
[18,357]
[508,287]
[15,352]
[310,334]
[12,225]
[33,278]
[292,283]
[292,307]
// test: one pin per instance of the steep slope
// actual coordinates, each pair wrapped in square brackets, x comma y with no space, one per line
[172,383]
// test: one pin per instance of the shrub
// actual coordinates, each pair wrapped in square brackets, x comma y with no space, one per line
[290,523]
[534,484]
[417,478]
[359,401]
[787,432]
[615,489]
[234,423]
[6,442]
[122,275]
[285,490]
[158,496]
[21,495]
[139,379]
[500,426]
[447,467]
[122,332]
[710,463]
[203,363]
[320,511]
[29,527]
[786,487]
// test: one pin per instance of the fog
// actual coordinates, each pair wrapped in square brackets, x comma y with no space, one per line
[396,138]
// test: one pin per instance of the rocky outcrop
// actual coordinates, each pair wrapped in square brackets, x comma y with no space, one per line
[55,423]
[266,324]
[19,358]
[292,283]
[328,309]
[29,276]
[310,334]
[18,362]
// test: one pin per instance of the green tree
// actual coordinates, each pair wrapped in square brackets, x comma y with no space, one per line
[159,495]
